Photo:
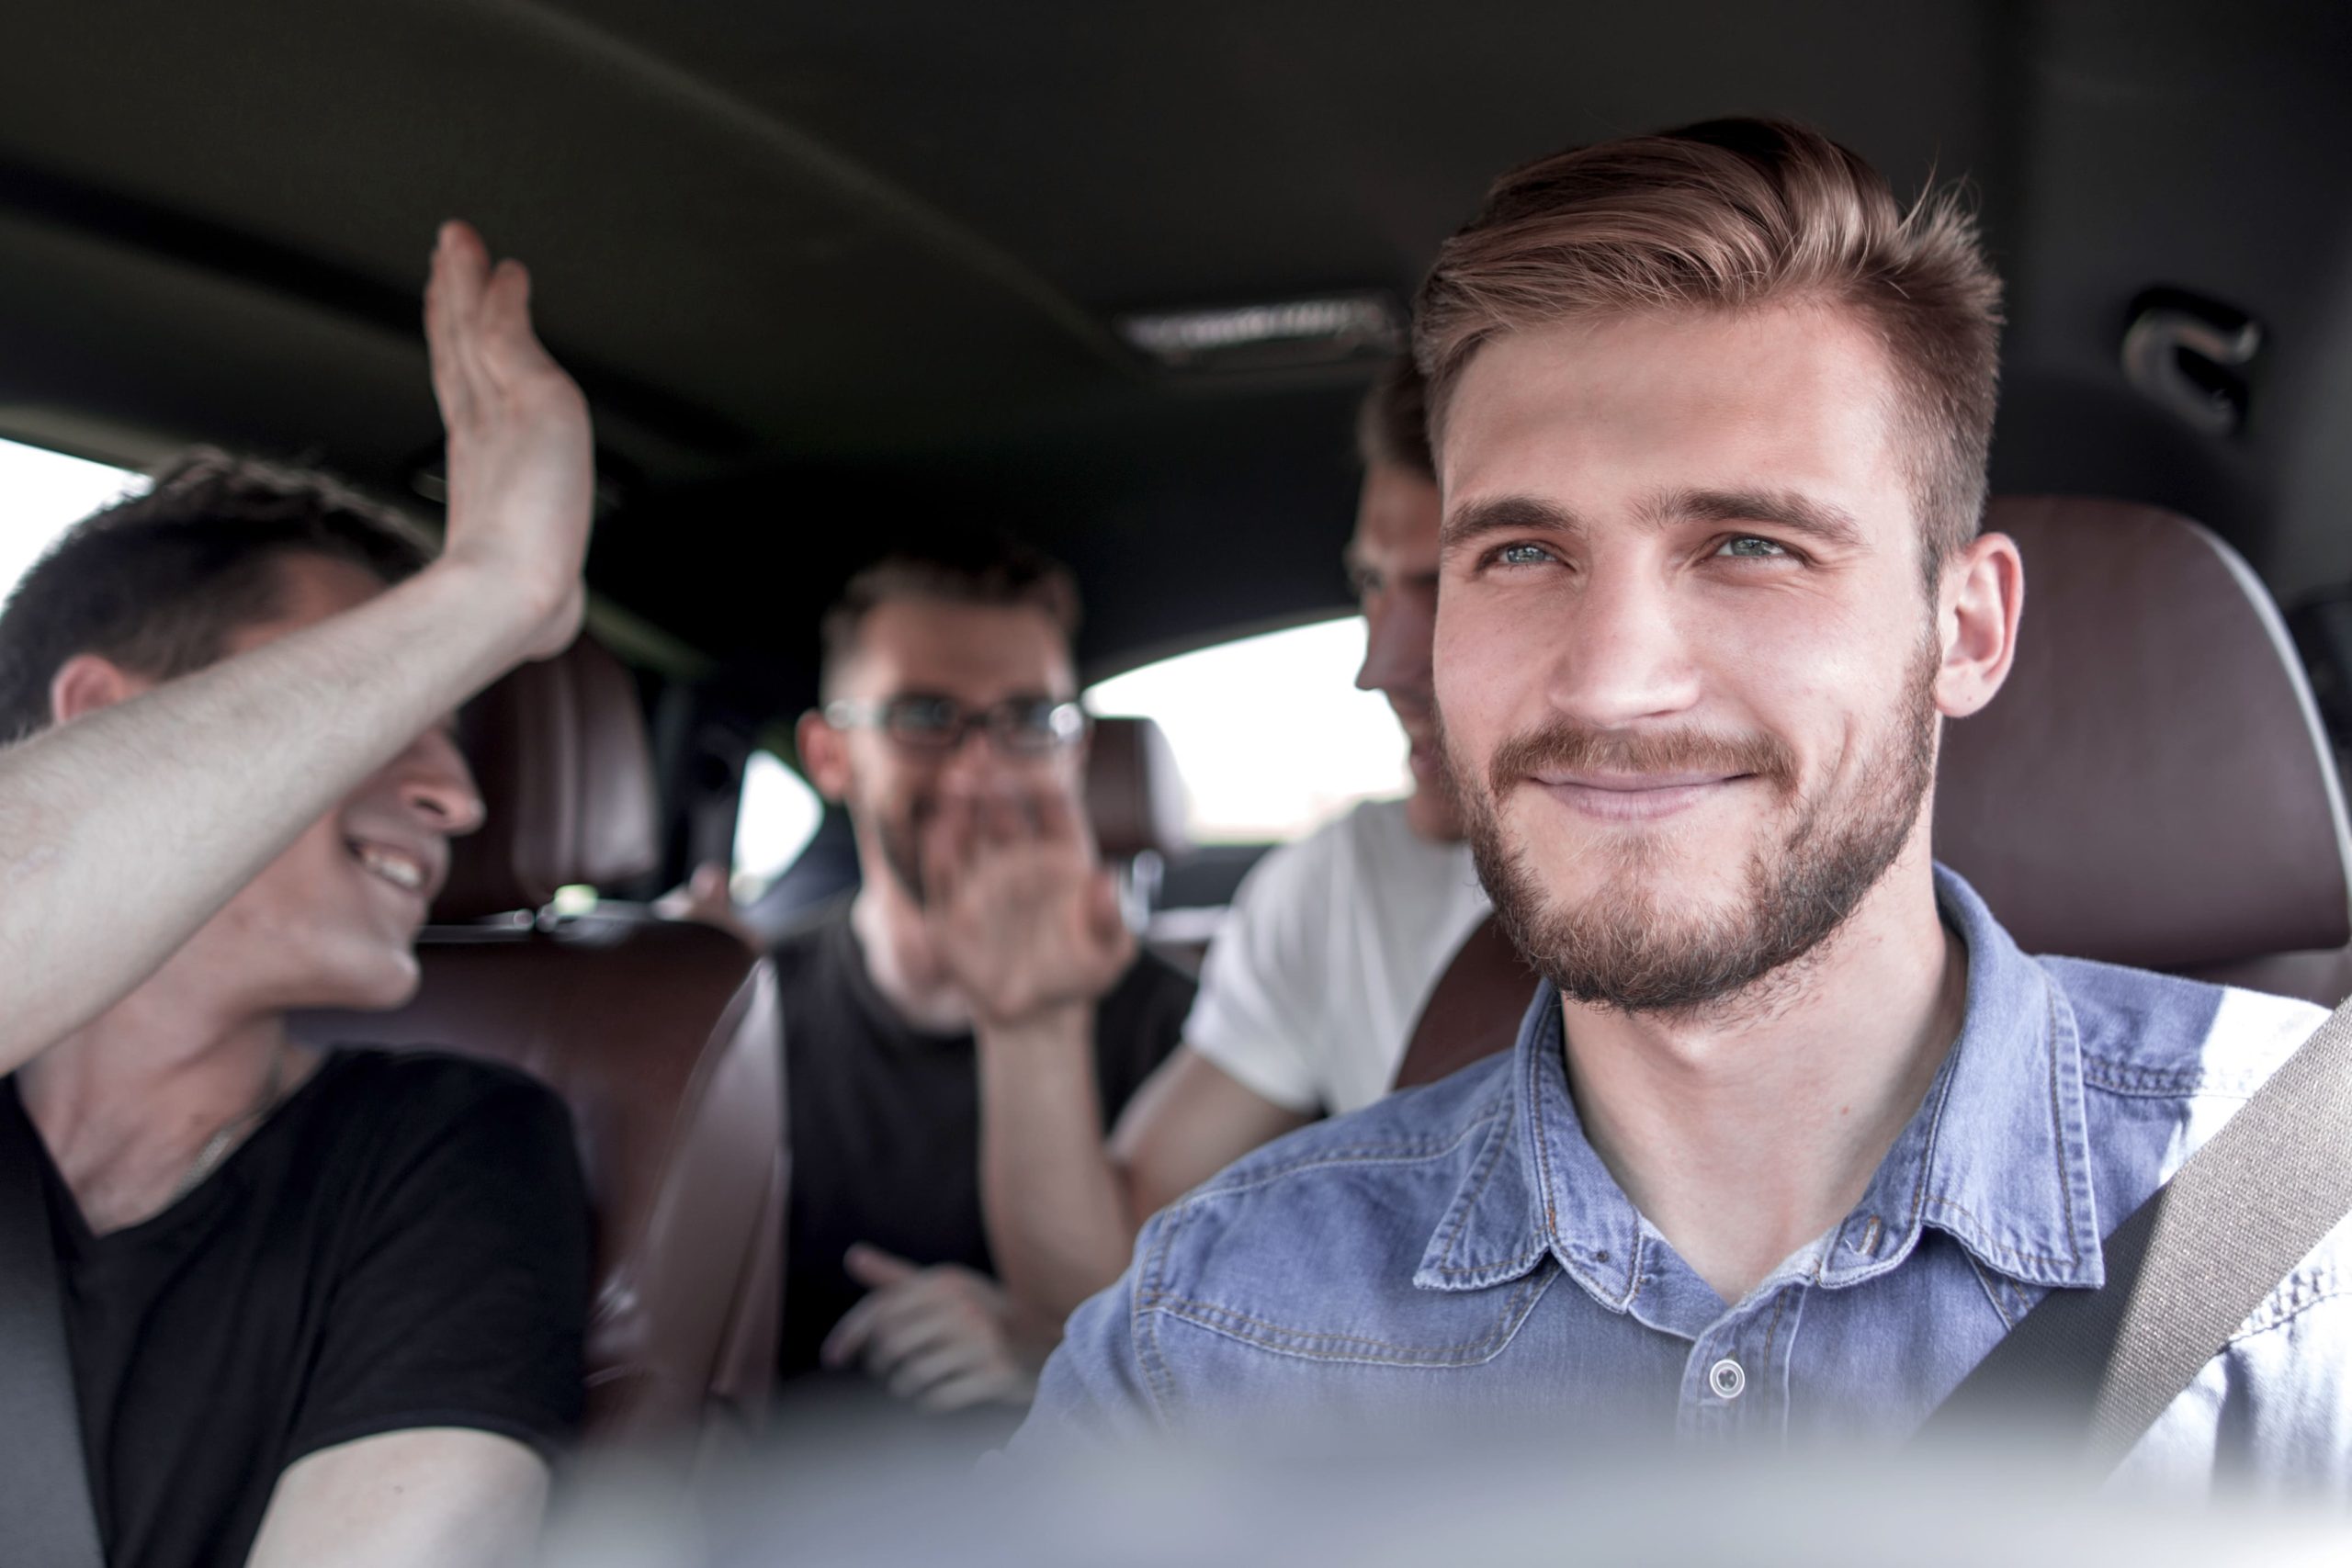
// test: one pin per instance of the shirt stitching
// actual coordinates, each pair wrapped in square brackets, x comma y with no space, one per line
[2058,1126]
[1773,1328]
[1985,1281]
[1489,1162]
[1534,1090]
[1159,1379]
[1980,1239]
[2296,1294]
[1363,1154]
[2164,1083]
[1297,1341]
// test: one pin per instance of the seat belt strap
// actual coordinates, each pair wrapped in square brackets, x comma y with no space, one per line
[1473,1011]
[44,1482]
[2187,1270]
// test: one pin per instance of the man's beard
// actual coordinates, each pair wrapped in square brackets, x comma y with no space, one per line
[1621,948]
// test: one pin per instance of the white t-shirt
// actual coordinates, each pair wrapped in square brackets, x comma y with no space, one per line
[1315,981]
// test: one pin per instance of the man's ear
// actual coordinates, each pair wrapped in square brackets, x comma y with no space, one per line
[88,682]
[1977,608]
[824,754]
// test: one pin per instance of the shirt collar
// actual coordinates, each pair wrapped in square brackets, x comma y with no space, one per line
[1997,1156]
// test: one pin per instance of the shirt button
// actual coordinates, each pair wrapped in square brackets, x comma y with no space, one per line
[1728,1377]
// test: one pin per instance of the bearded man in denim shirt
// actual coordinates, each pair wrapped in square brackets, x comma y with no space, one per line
[1794,1133]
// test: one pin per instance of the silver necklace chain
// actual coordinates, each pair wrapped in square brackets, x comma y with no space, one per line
[216,1148]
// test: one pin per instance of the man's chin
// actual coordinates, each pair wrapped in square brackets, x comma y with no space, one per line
[377,982]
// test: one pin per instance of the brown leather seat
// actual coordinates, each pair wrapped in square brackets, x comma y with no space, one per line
[1135,803]
[661,1037]
[2152,786]
[1135,797]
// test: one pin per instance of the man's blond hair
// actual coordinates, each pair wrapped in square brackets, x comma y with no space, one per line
[1734,215]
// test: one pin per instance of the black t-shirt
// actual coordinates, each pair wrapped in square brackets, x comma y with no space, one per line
[403,1243]
[886,1118]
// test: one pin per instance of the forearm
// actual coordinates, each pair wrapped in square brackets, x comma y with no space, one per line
[123,832]
[1055,1202]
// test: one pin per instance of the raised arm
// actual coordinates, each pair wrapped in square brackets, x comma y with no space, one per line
[122,832]
[1030,925]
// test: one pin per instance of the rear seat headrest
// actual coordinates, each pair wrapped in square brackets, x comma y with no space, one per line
[2152,786]
[1134,795]
[559,752]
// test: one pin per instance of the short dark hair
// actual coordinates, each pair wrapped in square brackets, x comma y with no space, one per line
[158,580]
[988,568]
[1393,424]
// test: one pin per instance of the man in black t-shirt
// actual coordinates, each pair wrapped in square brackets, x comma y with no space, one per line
[983,950]
[318,1307]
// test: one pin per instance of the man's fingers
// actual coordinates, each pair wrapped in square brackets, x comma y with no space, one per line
[982,1385]
[1003,818]
[913,1376]
[944,845]
[451,296]
[902,1331]
[883,1328]
[1107,923]
[1057,817]
[847,1340]
[512,350]
[877,1270]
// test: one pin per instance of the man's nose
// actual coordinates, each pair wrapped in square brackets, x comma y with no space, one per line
[1618,653]
[1399,630]
[438,789]
[975,757]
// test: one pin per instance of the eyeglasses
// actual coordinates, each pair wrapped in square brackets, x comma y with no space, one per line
[1019,726]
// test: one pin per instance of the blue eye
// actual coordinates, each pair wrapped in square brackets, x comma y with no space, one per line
[1522,555]
[1747,547]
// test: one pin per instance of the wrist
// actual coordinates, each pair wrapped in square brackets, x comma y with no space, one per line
[1057,1025]
[479,604]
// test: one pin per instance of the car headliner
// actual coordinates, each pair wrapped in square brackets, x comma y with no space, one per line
[834,272]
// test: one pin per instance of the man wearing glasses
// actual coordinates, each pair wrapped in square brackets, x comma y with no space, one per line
[950,729]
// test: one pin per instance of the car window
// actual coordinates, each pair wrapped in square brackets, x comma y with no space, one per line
[46,492]
[1269,731]
[776,818]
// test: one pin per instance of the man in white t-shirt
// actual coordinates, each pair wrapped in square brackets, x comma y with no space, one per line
[1312,989]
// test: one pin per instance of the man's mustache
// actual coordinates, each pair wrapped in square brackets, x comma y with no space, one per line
[1566,746]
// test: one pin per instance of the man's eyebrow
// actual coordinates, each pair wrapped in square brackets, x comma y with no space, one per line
[1504,514]
[1819,521]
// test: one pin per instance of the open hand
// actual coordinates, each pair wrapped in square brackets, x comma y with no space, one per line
[1022,913]
[521,456]
[939,1336]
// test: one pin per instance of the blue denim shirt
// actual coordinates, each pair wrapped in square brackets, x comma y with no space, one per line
[1461,1247]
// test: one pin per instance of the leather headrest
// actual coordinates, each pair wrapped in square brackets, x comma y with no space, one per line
[2152,786]
[559,752]
[1133,794]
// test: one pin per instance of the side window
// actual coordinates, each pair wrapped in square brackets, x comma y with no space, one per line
[1269,731]
[46,493]
[778,815]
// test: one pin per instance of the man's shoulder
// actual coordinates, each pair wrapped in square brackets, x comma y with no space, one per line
[389,1112]
[2148,1035]
[1355,838]
[2166,1062]
[1405,1128]
[434,1084]
[1350,1198]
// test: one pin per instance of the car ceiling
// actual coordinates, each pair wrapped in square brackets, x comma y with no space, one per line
[836,275]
